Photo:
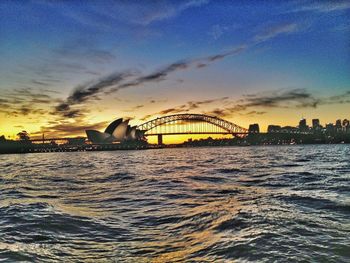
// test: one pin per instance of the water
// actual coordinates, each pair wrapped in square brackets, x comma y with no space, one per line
[243,204]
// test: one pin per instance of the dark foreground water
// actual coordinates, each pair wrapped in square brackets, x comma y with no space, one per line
[243,204]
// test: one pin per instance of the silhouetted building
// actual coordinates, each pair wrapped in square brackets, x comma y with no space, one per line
[338,126]
[254,128]
[346,125]
[289,129]
[273,128]
[76,141]
[117,131]
[302,125]
[316,124]
[330,128]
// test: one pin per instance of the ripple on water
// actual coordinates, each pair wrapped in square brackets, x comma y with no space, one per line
[244,204]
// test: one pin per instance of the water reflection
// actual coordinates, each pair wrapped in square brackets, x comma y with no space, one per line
[200,204]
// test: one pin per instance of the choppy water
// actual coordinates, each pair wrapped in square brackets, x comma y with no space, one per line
[177,205]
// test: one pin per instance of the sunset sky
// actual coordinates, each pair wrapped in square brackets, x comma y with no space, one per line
[67,66]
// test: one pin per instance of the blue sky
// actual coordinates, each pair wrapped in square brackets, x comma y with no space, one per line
[233,49]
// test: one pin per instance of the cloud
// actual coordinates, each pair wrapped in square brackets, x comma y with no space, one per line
[250,104]
[155,76]
[163,10]
[55,66]
[276,30]
[323,6]
[190,105]
[40,83]
[259,103]
[74,57]
[104,15]
[216,31]
[122,80]
[338,99]
[255,113]
[137,107]
[84,50]
[26,101]
[161,74]
[119,80]
[66,128]
[26,110]
[86,92]
[296,97]
[146,117]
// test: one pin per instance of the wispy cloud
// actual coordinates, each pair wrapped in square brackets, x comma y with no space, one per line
[87,91]
[26,101]
[257,104]
[83,50]
[163,10]
[216,31]
[64,128]
[325,6]
[297,98]
[122,80]
[135,108]
[276,30]
[191,105]
[104,15]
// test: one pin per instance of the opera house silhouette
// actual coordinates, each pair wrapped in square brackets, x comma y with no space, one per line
[116,131]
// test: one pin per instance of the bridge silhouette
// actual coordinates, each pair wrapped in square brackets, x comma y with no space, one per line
[190,124]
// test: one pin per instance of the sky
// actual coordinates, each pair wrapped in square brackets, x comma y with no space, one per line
[67,66]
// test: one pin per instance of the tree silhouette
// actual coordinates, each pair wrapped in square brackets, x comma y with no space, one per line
[23,136]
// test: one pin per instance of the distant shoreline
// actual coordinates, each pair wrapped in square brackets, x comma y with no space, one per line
[124,147]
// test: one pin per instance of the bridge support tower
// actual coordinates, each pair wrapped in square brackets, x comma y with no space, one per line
[160,139]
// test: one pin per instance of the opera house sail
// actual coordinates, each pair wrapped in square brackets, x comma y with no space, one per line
[116,131]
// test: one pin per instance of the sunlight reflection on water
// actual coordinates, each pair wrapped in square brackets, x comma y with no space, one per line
[196,204]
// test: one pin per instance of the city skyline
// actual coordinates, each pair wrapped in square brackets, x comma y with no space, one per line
[126,131]
[67,67]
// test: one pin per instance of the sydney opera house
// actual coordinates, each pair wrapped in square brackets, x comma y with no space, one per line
[117,131]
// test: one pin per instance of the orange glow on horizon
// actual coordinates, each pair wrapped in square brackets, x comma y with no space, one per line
[10,126]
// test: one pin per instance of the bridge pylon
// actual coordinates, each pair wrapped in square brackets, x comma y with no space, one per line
[160,139]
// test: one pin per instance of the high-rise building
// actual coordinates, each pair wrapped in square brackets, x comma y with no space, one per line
[316,124]
[338,123]
[346,125]
[302,125]
[254,128]
[338,126]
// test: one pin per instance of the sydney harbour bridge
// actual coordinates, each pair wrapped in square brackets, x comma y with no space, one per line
[178,124]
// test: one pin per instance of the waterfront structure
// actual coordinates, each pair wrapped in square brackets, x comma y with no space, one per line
[116,131]
[273,128]
[188,123]
[119,135]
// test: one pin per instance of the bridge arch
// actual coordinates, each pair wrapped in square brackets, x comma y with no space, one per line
[229,127]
